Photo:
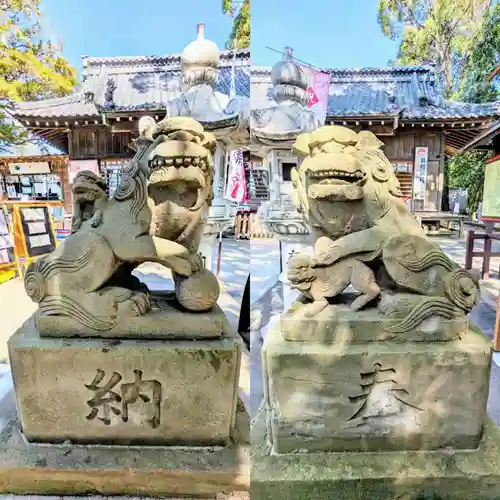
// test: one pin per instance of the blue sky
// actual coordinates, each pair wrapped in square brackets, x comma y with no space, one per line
[324,33]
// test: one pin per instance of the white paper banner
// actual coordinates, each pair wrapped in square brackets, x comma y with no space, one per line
[4,256]
[4,227]
[236,188]
[6,241]
[420,175]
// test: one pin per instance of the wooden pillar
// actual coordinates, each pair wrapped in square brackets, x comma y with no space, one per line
[66,188]
[487,250]
[3,172]
[469,249]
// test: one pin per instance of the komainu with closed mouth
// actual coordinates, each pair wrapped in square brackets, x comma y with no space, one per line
[348,191]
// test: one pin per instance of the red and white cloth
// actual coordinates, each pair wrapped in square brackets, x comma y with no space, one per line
[318,90]
[236,187]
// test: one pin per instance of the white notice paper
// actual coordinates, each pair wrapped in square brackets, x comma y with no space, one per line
[34,214]
[6,241]
[36,228]
[4,257]
[41,240]
[4,228]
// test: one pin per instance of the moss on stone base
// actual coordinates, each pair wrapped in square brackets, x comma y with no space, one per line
[438,475]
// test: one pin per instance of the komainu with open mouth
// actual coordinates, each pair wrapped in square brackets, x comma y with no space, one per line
[347,190]
[155,215]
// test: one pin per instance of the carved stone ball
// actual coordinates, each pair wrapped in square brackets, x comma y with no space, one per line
[198,292]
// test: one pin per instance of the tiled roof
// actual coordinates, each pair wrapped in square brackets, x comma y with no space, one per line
[411,92]
[141,83]
[72,105]
[148,82]
[484,138]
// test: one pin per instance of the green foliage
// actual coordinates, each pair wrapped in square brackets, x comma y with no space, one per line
[466,170]
[437,31]
[240,34]
[30,67]
[462,37]
[483,59]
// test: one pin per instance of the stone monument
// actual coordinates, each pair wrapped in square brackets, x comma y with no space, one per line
[120,390]
[381,393]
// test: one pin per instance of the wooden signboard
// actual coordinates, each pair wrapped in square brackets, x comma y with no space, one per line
[9,262]
[36,230]
[7,251]
[491,200]
[6,240]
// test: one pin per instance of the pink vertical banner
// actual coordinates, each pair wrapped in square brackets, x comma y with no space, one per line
[236,188]
[318,90]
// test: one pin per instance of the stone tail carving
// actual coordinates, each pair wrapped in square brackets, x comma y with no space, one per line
[35,280]
[461,288]
[432,258]
[65,306]
[35,286]
[49,268]
[430,306]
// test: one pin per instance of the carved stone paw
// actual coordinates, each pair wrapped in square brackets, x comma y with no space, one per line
[76,224]
[97,219]
[196,261]
[140,303]
[321,259]
[125,301]
[314,308]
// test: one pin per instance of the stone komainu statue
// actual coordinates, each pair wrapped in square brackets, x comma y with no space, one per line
[156,214]
[347,190]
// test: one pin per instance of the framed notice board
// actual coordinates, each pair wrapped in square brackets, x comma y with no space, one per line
[7,250]
[36,229]
[491,200]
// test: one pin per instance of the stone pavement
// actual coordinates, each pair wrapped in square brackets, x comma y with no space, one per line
[234,496]
[15,308]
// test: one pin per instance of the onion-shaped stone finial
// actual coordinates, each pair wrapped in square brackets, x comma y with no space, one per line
[200,61]
[289,80]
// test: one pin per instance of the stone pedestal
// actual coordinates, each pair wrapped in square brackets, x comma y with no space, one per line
[375,475]
[167,320]
[350,415]
[125,417]
[152,471]
[125,391]
[375,396]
